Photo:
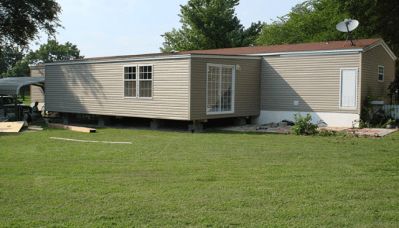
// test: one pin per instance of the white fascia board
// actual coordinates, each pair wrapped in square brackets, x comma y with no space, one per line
[186,56]
[121,60]
[321,52]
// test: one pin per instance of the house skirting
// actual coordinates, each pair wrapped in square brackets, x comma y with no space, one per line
[330,118]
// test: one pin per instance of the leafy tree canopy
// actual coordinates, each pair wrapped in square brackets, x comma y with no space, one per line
[50,52]
[9,56]
[208,24]
[21,20]
[312,20]
[315,20]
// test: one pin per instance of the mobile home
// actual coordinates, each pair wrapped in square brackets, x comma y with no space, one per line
[329,80]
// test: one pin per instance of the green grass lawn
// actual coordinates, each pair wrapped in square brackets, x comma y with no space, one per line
[211,179]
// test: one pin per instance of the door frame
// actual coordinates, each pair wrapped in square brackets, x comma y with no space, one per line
[220,66]
[356,85]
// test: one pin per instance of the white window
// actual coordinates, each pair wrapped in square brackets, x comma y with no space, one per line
[381,73]
[220,89]
[130,78]
[138,81]
[348,96]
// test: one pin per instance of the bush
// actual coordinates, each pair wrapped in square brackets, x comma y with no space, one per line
[372,116]
[327,133]
[304,125]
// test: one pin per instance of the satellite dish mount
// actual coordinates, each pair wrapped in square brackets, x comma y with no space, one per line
[347,26]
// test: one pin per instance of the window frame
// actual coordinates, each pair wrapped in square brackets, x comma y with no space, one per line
[125,80]
[137,80]
[233,85]
[383,73]
[146,80]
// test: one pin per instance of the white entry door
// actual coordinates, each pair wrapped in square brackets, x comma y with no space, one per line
[348,88]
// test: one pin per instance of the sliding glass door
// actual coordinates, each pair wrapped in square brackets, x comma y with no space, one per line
[220,89]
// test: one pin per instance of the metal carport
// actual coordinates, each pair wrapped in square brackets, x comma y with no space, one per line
[11,86]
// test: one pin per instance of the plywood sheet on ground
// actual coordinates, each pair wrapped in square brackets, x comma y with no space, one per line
[11,127]
[72,128]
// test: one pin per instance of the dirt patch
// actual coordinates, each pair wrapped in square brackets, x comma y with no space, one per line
[259,128]
[371,132]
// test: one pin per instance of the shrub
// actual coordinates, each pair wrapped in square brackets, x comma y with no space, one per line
[304,125]
[372,116]
[390,124]
[327,133]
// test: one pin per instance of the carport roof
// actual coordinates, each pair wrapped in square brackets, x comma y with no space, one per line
[12,85]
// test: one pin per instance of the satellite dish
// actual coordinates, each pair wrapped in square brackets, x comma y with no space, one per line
[347,26]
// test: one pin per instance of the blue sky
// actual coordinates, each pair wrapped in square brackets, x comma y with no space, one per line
[119,27]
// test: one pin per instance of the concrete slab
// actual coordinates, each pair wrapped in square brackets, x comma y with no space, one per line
[372,132]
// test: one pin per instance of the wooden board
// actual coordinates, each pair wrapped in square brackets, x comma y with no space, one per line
[72,128]
[11,127]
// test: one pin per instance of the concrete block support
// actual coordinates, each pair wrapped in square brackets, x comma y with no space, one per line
[240,121]
[196,126]
[101,121]
[65,118]
[155,124]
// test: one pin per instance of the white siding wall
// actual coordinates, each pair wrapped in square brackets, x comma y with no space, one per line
[98,88]
[312,81]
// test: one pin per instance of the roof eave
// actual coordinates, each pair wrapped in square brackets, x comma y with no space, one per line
[315,52]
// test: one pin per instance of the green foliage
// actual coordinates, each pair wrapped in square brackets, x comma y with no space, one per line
[9,56]
[50,52]
[394,87]
[312,20]
[21,20]
[53,51]
[304,126]
[208,24]
[327,133]
[372,116]
[391,123]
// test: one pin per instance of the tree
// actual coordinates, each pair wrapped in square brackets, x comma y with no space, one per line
[9,56]
[21,20]
[208,24]
[310,21]
[50,52]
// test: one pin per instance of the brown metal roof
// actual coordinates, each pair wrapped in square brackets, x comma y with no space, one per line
[320,46]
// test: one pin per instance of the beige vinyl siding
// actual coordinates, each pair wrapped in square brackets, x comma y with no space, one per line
[247,85]
[313,81]
[371,87]
[98,88]
[37,93]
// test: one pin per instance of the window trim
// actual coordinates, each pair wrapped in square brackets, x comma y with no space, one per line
[383,73]
[233,84]
[124,80]
[138,81]
[357,89]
